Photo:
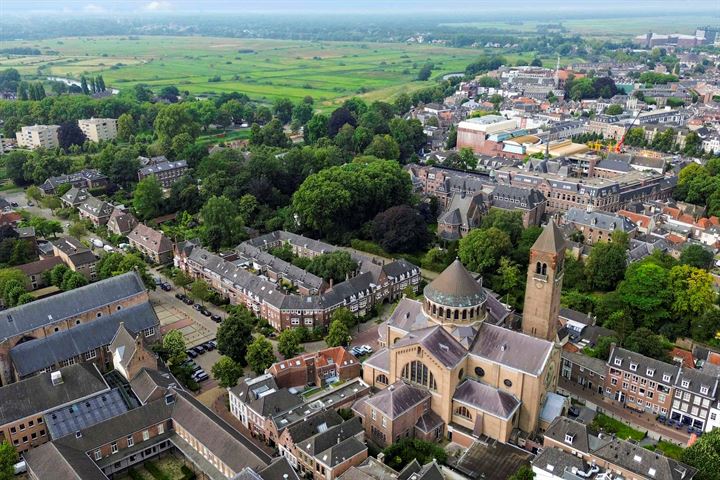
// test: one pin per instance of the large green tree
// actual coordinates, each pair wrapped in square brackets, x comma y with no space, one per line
[8,458]
[174,346]
[704,455]
[481,249]
[148,198]
[289,343]
[227,372]
[606,264]
[234,334]
[338,334]
[220,214]
[260,355]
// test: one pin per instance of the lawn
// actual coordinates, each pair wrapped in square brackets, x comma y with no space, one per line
[668,449]
[263,69]
[610,425]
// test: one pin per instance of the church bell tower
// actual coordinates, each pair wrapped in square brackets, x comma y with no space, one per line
[544,284]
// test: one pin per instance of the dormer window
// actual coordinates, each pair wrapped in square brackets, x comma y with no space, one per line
[666,377]
[686,383]
[704,390]
[618,361]
[569,438]
[650,372]
[633,367]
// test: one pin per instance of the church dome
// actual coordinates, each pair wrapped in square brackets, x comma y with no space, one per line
[455,287]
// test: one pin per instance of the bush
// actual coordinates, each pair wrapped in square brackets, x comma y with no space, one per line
[369,247]
[610,425]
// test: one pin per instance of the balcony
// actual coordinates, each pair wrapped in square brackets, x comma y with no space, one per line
[540,277]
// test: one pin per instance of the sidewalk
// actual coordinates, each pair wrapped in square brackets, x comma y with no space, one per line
[638,420]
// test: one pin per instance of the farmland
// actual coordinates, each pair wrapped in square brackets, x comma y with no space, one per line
[263,69]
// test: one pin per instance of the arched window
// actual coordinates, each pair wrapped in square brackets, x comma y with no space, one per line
[441,312]
[434,310]
[382,379]
[417,372]
[538,267]
[472,312]
[456,314]
[544,268]
[464,315]
[463,412]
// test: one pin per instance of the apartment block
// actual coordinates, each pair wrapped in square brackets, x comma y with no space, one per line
[99,129]
[38,136]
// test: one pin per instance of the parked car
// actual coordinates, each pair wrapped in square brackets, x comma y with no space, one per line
[661,418]
[199,349]
[209,346]
[166,287]
[216,318]
[108,248]
[97,243]
[205,312]
[187,301]
[158,281]
[14,204]
[180,296]
[201,378]
[574,411]
[197,307]
[191,353]
[213,343]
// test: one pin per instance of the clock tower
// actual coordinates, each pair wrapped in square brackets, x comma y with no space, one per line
[544,284]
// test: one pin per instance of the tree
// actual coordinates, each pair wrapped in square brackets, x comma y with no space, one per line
[316,128]
[425,72]
[645,342]
[335,266]
[33,193]
[148,198]
[383,146]
[70,134]
[400,229]
[283,109]
[57,273]
[15,165]
[400,453]
[289,343]
[467,158]
[606,265]
[116,263]
[221,214]
[77,230]
[693,291]
[25,298]
[199,290]
[704,455]
[302,113]
[84,85]
[614,109]
[345,316]
[508,281]
[525,472]
[174,346]
[182,279]
[409,136]
[271,135]
[260,355]
[645,291]
[706,326]
[338,334]
[73,280]
[481,249]
[234,334]
[510,222]
[338,118]
[175,119]
[697,256]
[8,458]
[227,372]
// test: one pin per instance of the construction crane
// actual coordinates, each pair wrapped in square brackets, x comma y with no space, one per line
[619,145]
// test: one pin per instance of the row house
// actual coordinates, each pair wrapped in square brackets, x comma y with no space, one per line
[329,453]
[598,226]
[121,223]
[236,281]
[76,256]
[88,179]
[639,382]
[588,372]
[696,392]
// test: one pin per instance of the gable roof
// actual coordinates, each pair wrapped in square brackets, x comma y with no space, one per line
[152,239]
[123,345]
[486,398]
[397,399]
[17,320]
[512,349]
[437,342]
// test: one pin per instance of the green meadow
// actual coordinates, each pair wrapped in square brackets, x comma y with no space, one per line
[263,69]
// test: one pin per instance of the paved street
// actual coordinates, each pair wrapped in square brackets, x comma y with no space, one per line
[640,421]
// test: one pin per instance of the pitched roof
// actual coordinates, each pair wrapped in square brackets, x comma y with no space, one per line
[40,266]
[486,398]
[551,240]
[152,239]
[36,395]
[96,207]
[512,349]
[35,355]
[123,345]
[17,320]
[397,399]
[455,287]
[437,342]
[642,364]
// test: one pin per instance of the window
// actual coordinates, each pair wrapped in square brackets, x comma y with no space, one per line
[618,361]
[685,383]
[507,382]
[149,332]
[463,412]
[417,372]
[98,455]
[479,372]
[461,374]
[613,381]
[704,390]
[374,415]
[90,355]
[113,447]
[381,379]
[633,367]
[650,372]
[161,429]
[98,314]
[384,421]
[666,377]
[130,441]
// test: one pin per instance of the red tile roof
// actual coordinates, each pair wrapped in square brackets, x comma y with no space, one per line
[687,357]
[638,218]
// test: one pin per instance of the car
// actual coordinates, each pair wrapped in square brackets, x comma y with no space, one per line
[14,204]
[661,418]
[356,351]
[166,287]
[158,281]
[180,296]
[97,243]
[205,312]
[197,307]
[195,367]
[202,378]
[574,411]
[30,204]
[367,348]
[198,372]
[67,225]
[191,353]
[187,301]
[209,346]
[199,349]
[216,318]
[213,343]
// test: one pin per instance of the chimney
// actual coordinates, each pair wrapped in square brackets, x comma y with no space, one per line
[381,457]
[56,378]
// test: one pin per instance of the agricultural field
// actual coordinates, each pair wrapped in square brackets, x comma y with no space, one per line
[263,69]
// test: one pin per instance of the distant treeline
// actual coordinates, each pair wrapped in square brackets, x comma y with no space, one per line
[20,51]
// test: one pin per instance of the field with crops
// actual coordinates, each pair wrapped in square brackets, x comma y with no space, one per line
[263,69]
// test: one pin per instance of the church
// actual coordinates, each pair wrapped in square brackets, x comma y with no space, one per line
[474,378]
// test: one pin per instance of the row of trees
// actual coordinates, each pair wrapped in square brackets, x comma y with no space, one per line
[700,185]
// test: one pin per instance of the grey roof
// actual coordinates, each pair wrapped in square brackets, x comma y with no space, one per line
[697,379]
[87,174]
[557,461]
[123,345]
[380,360]
[438,343]
[320,442]
[76,195]
[81,415]
[341,452]
[408,315]
[486,398]
[61,463]
[96,207]
[591,363]
[455,287]
[397,399]
[124,222]
[279,469]
[551,240]
[35,355]
[17,320]
[599,220]
[428,422]
[460,207]
[562,429]
[37,395]
[162,167]
[511,197]
[626,357]
[512,349]
[640,461]
[614,165]
[78,253]
[314,424]
[153,240]
[576,316]
[147,381]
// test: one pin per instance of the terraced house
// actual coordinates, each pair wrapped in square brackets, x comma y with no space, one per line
[254,278]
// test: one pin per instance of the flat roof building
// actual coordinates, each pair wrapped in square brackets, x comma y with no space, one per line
[98,129]
[38,136]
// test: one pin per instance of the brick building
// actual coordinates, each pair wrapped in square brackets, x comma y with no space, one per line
[166,173]
[151,243]
[76,256]
[317,368]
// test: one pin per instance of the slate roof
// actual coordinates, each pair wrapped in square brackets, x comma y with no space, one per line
[17,320]
[78,253]
[123,222]
[551,240]
[35,355]
[512,349]
[455,287]
[641,461]
[152,239]
[341,452]
[428,422]
[556,461]
[75,195]
[563,426]
[123,345]
[279,469]
[397,399]
[593,364]
[379,360]
[40,266]
[408,316]
[95,207]
[626,357]
[36,395]
[162,167]
[147,381]
[697,379]
[486,398]
[312,425]
[512,197]
[600,220]
[575,316]
[438,342]
[322,441]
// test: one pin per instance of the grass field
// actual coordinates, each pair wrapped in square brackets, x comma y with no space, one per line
[263,69]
